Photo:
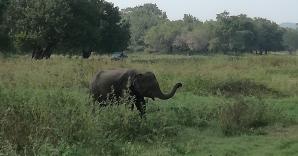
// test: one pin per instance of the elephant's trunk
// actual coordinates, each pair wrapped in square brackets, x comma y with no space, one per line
[163,96]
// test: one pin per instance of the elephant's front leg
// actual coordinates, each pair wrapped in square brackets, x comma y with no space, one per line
[141,106]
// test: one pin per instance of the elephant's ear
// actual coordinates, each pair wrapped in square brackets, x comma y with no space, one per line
[136,81]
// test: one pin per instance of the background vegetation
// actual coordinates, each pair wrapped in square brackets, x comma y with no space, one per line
[42,27]
[227,34]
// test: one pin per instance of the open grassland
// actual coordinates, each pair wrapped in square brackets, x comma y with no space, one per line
[228,106]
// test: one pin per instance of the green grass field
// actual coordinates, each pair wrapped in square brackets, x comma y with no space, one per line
[228,106]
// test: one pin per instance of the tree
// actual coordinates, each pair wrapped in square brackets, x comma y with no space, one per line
[42,25]
[95,25]
[269,36]
[142,19]
[243,41]
[115,32]
[190,19]
[223,31]
[196,40]
[38,25]
[290,40]
[5,42]
[234,33]
[162,37]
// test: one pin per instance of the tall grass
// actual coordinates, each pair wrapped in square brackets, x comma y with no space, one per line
[45,108]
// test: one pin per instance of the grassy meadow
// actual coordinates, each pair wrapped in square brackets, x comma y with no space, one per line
[228,106]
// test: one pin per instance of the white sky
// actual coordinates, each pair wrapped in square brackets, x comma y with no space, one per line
[277,10]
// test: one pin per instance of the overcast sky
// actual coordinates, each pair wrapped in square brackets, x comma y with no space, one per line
[277,10]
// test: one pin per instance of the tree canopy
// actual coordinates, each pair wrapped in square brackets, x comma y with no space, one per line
[39,26]
[142,19]
[81,26]
[290,39]
[5,41]
[237,34]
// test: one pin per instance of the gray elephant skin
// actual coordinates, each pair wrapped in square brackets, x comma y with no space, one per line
[138,84]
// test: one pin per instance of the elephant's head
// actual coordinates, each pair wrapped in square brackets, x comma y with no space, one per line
[146,85]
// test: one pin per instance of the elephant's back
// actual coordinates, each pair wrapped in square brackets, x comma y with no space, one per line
[109,75]
[105,79]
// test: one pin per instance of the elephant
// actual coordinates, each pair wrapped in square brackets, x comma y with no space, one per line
[138,84]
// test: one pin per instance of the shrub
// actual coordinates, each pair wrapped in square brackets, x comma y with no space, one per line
[189,117]
[243,87]
[245,115]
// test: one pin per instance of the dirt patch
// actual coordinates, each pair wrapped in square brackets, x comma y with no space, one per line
[245,88]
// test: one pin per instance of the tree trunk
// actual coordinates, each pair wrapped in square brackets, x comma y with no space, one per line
[37,53]
[47,51]
[41,53]
[261,52]
[86,53]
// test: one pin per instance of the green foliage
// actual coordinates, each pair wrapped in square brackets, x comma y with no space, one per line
[141,19]
[33,118]
[237,34]
[269,35]
[5,41]
[234,33]
[38,23]
[246,115]
[290,39]
[81,26]
[96,25]
[243,88]
[161,37]
[196,40]
[40,26]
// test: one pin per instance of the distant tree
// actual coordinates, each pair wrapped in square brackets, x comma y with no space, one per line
[38,25]
[142,19]
[162,37]
[199,39]
[269,36]
[95,25]
[115,32]
[5,42]
[290,40]
[181,42]
[196,40]
[223,32]
[190,19]
[234,33]
[42,25]
[243,41]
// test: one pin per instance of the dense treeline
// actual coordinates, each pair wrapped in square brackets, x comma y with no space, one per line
[79,26]
[40,26]
[227,33]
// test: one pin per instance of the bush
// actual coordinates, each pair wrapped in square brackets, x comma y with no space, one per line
[245,116]
[244,88]
[188,117]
